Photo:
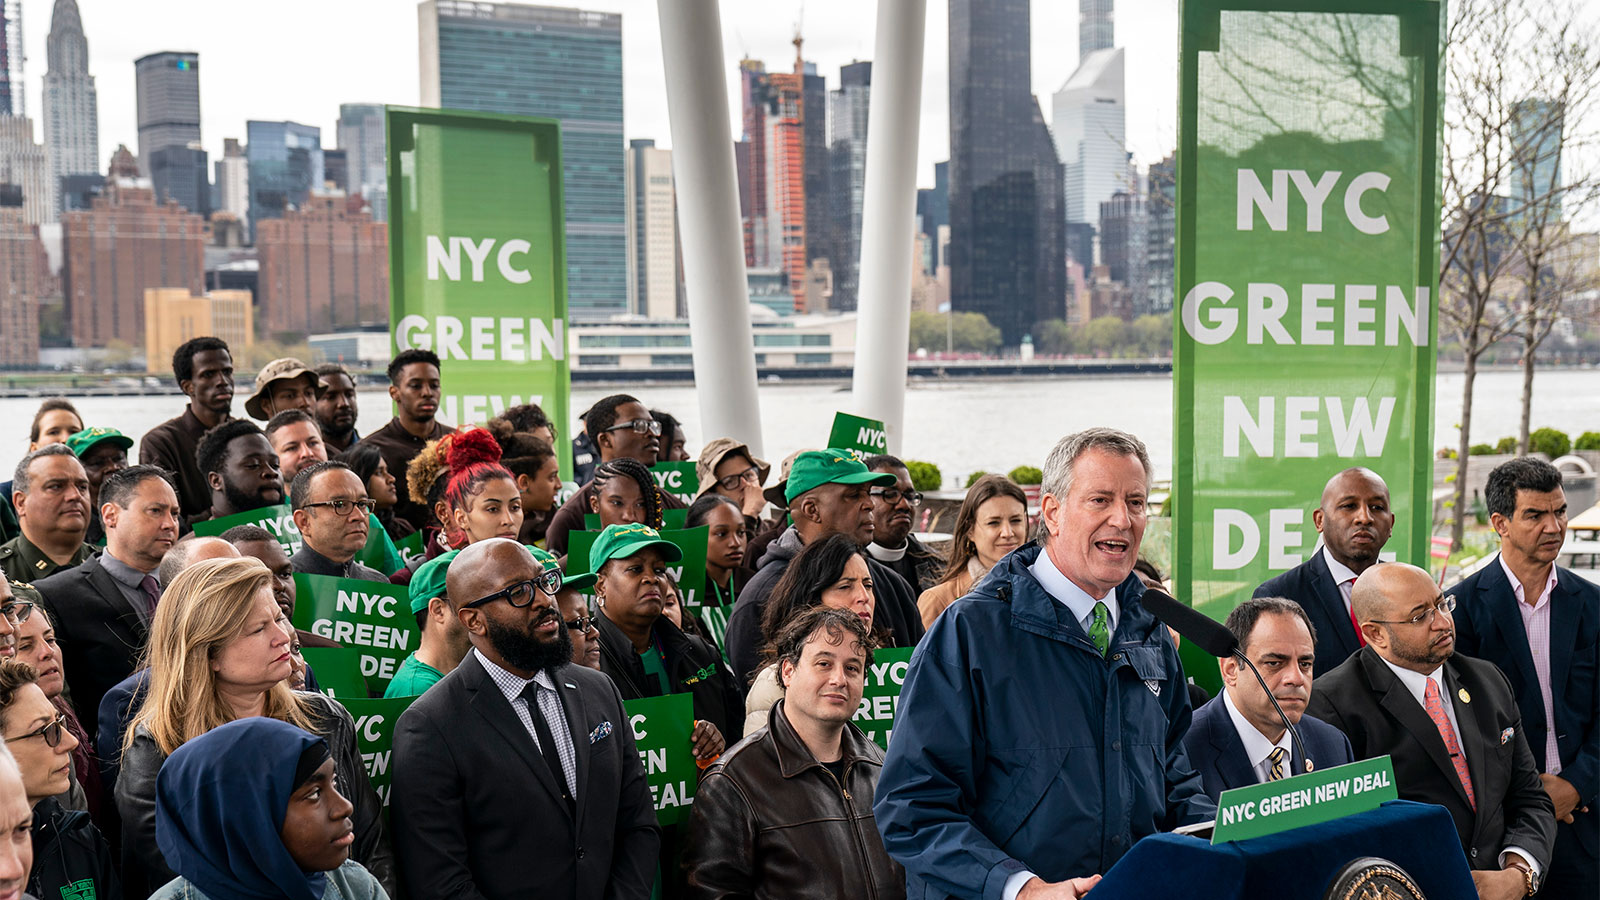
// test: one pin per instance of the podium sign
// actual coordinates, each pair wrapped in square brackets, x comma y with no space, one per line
[1317,796]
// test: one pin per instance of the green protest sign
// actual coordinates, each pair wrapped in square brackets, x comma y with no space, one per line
[675,519]
[275,519]
[410,549]
[880,699]
[867,436]
[662,727]
[338,671]
[379,552]
[1317,796]
[678,479]
[372,617]
[477,259]
[1306,281]
[690,573]
[375,722]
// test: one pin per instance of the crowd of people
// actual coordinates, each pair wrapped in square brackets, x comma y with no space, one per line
[164,735]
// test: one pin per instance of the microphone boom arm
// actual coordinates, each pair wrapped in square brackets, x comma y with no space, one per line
[1294,732]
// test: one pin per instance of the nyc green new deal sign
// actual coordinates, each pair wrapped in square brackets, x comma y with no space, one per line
[1307,278]
[478,259]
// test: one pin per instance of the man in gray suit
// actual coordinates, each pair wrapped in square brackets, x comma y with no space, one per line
[516,776]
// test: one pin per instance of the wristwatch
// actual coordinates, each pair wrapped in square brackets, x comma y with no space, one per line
[1530,881]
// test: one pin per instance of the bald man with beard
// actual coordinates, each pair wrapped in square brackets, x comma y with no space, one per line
[519,762]
[1354,520]
[1449,723]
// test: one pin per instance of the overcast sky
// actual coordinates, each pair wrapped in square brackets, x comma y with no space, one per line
[299,59]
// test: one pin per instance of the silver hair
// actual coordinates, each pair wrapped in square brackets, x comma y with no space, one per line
[20,481]
[1058,465]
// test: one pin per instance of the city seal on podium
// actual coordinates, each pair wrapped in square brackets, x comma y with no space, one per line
[1372,878]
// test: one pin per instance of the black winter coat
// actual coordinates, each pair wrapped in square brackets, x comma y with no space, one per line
[693,665]
[71,858]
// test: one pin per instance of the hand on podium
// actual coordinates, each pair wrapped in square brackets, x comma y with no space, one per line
[1071,889]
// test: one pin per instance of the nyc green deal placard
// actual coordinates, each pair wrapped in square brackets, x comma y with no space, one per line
[1321,795]
[276,519]
[662,727]
[375,722]
[867,436]
[373,617]
[880,699]
[679,479]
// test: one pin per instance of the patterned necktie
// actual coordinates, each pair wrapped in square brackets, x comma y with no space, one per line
[1100,628]
[1277,756]
[1435,709]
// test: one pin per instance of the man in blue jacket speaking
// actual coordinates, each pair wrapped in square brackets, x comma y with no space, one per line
[1040,728]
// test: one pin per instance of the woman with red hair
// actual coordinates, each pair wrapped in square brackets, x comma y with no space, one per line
[482,496]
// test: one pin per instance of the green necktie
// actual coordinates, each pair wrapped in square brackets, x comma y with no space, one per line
[1099,629]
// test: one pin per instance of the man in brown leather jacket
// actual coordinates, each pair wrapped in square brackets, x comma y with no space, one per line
[788,811]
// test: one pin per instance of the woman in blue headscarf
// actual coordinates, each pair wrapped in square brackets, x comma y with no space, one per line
[249,811]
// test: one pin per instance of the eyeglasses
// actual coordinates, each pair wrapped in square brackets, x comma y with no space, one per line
[520,594]
[639,426]
[50,731]
[893,495]
[1447,606]
[731,482]
[17,611]
[346,507]
[581,623]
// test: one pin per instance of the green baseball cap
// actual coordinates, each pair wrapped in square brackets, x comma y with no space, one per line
[427,582]
[83,441]
[550,561]
[623,541]
[815,468]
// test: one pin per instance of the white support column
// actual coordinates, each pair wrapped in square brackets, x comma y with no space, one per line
[888,215]
[708,216]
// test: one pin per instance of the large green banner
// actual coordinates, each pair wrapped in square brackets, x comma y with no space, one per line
[662,727]
[375,722]
[477,257]
[373,617]
[880,698]
[1307,275]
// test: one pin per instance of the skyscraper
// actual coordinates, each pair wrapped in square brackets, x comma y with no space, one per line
[847,178]
[1161,210]
[652,232]
[324,267]
[361,137]
[13,99]
[71,111]
[24,278]
[1536,138]
[563,64]
[23,164]
[772,172]
[1006,251]
[1089,123]
[1095,26]
[168,91]
[233,180]
[285,161]
[814,96]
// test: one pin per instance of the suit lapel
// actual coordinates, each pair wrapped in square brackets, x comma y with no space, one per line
[1344,633]
[1398,701]
[1565,611]
[495,709]
[1232,763]
[1475,722]
[103,586]
[572,706]
[1499,597]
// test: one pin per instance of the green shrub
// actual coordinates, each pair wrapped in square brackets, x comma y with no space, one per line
[1589,440]
[1480,450]
[1446,453]
[1506,445]
[925,476]
[1550,442]
[1026,475]
[973,478]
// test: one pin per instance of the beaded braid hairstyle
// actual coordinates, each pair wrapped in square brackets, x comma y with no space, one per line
[624,467]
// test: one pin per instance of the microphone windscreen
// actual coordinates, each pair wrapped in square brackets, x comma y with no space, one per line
[1207,633]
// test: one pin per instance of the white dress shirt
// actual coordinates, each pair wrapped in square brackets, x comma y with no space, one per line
[1343,576]
[1076,599]
[1536,622]
[512,686]
[1416,684]
[1257,749]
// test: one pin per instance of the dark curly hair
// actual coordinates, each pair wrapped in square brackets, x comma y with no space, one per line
[623,467]
[183,357]
[213,446]
[817,567]
[839,624]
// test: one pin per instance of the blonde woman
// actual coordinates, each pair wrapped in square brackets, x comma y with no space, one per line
[219,651]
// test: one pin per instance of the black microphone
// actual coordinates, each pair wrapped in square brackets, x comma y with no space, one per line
[1214,638]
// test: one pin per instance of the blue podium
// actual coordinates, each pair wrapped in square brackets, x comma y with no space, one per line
[1296,864]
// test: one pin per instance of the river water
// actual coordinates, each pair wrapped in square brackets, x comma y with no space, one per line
[960,426]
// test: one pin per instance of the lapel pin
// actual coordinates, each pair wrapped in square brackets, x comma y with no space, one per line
[1465,697]
[1310,765]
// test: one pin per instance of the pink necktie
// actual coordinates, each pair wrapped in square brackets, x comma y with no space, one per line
[1436,712]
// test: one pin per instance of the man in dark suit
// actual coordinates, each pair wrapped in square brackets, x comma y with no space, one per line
[1541,625]
[1355,520]
[1449,723]
[516,776]
[1237,738]
[102,608]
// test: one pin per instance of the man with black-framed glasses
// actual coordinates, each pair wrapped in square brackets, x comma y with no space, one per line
[1448,722]
[332,511]
[894,513]
[518,761]
[621,427]
[16,602]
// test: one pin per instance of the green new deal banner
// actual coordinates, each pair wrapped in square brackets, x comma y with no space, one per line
[477,259]
[689,573]
[1307,278]
[866,436]
[662,728]
[678,479]
[370,616]
[880,698]
[375,721]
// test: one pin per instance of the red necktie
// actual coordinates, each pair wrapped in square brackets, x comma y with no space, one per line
[1435,709]
[1360,641]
